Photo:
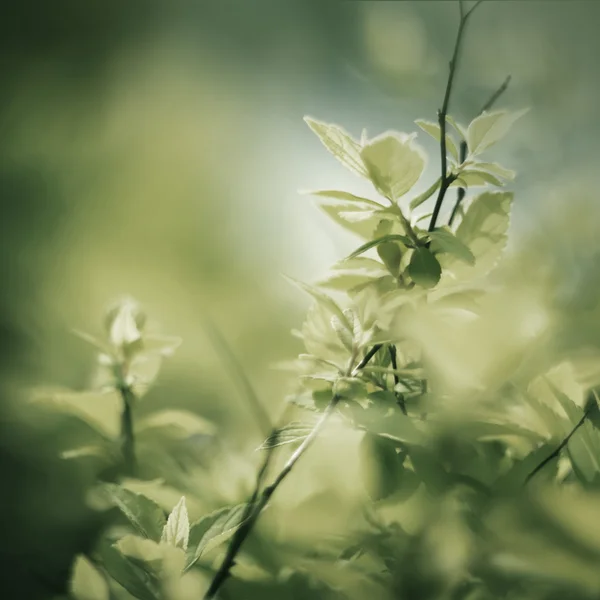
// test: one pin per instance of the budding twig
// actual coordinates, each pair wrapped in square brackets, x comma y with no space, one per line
[446,178]
[260,500]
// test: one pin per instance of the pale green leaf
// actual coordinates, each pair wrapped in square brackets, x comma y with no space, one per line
[292,433]
[99,410]
[177,529]
[361,220]
[322,299]
[345,197]
[416,202]
[124,324]
[134,579]
[173,424]
[340,144]
[343,332]
[212,530]
[476,178]
[86,582]
[484,230]
[424,268]
[496,169]
[146,516]
[462,132]
[433,129]
[443,240]
[160,344]
[395,237]
[489,128]
[349,279]
[140,550]
[394,163]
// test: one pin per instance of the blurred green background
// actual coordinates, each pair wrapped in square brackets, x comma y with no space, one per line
[156,149]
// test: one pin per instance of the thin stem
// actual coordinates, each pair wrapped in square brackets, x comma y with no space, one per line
[460,196]
[558,449]
[447,179]
[127,435]
[399,397]
[261,501]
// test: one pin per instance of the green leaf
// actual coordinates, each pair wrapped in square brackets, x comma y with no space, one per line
[173,424]
[135,580]
[443,240]
[462,132]
[86,582]
[484,230]
[99,410]
[359,220]
[424,268]
[343,332]
[433,129]
[124,324]
[476,178]
[416,202]
[163,345]
[346,280]
[496,169]
[394,163]
[140,550]
[322,299]
[212,530]
[95,342]
[381,466]
[391,255]
[489,128]
[340,144]
[394,237]
[292,433]
[345,197]
[177,530]
[144,514]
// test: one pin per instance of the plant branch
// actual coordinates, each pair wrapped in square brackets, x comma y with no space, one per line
[127,435]
[447,179]
[559,448]
[464,149]
[259,502]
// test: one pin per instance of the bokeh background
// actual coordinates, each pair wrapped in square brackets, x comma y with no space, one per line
[156,149]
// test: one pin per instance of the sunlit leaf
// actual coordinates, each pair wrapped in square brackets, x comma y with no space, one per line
[489,128]
[177,529]
[433,129]
[443,240]
[340,144]
[416,202]
[345,197]
[144,514]
[360,220]
[292,433]
[322,299]
[86,582]
[484,230]
[394,163]
[212,530]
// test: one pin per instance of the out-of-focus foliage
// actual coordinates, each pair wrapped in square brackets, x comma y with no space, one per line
[155,149]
